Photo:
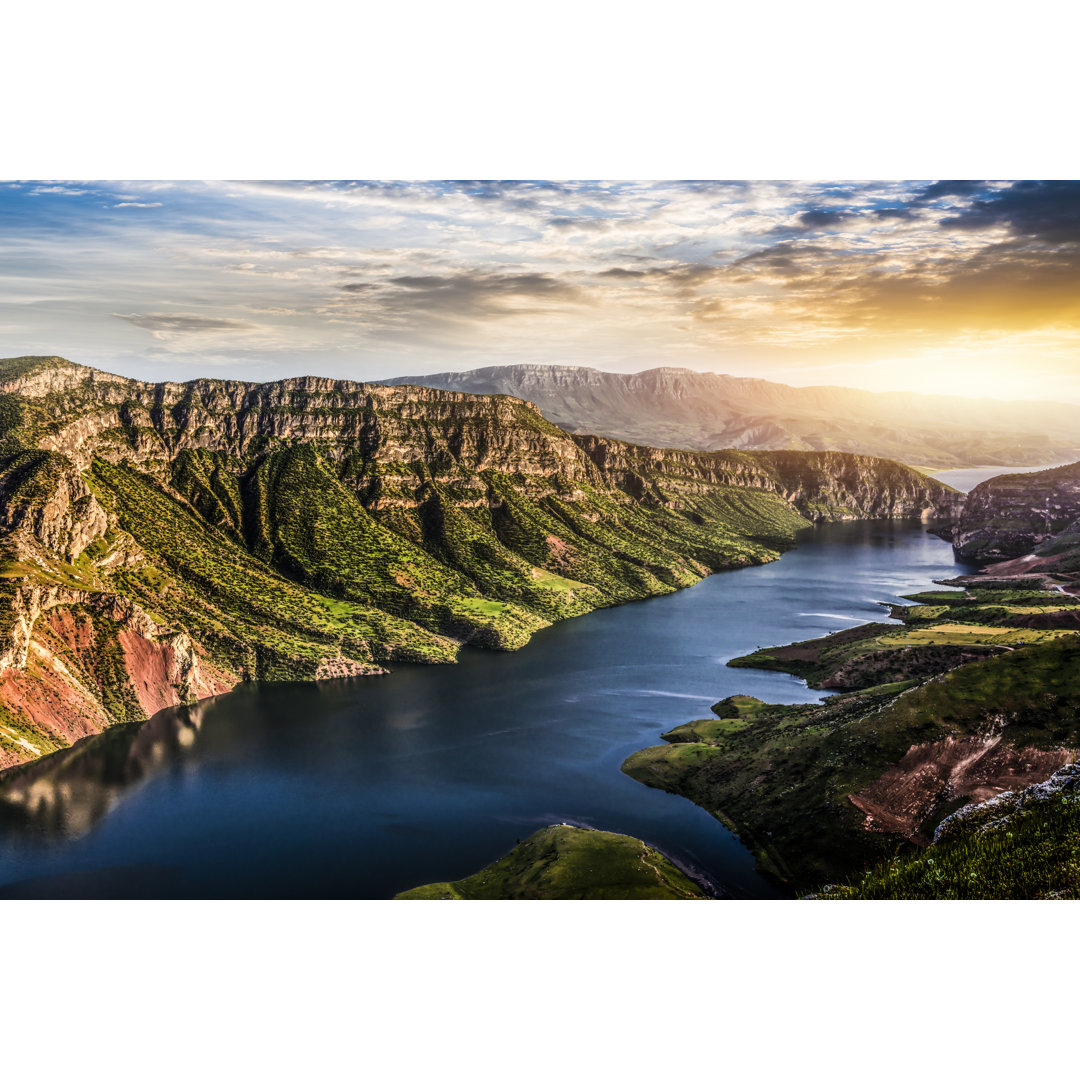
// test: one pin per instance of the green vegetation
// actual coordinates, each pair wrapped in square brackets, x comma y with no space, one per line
[783,775]
[306,527]
[562,862]
[1033,855]
[939,632]
[250,617]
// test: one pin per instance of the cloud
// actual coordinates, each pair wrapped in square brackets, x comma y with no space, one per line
[943,189]
[459,304]
[818,219]
[898,213]
[1045,210]
[580,224]
[160,323]
[56,189]
[469,293]
[123,205]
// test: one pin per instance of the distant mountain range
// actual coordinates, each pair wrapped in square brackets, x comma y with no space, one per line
[676,407]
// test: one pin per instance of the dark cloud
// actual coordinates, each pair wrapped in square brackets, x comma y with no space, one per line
[899,213]
[587,224]
[822,219]
[486,285]
[357,286]
[942,189]
[161,322]
[784,260]
[1044,210]
[619,272]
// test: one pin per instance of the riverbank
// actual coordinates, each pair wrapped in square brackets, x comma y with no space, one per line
[975,694]
[366,788]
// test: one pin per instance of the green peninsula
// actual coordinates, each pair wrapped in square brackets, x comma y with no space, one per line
[563,862]
[976,693]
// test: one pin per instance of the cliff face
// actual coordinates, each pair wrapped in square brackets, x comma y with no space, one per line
[1021,514]
[822,485]
[160,542]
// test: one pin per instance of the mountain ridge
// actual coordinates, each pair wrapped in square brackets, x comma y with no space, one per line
[678,407]
[162,542]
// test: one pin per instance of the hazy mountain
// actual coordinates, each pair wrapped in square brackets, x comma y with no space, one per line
[675,407]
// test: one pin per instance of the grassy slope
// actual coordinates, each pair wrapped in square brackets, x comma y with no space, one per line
[1035,856]
[783,777]
[404,582]
[939,631]
[251,617]
[566,863]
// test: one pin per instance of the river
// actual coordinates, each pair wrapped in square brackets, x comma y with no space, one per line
[362,788]
[966,479]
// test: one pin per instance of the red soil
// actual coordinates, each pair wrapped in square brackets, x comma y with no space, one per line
[58,692]
[150,664]
[933,774]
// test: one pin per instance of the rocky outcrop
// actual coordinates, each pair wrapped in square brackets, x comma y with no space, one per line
[1014,515]
[43,498]
[996,814]
[935,774]
[80,674]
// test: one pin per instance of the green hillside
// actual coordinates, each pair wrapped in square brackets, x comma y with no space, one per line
[567,863]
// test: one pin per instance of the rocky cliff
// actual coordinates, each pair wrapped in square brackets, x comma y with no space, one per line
[160,542]
[1021,514]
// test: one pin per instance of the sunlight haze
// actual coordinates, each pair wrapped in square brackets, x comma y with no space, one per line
[955,287]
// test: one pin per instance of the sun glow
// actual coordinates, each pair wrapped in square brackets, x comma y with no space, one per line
[1034,366]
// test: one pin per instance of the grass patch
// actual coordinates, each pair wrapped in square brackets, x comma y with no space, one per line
[562,862]
[1035,856]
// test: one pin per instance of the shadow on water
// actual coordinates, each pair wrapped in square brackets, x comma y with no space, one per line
[365,787]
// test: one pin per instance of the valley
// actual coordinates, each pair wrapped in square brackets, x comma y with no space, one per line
[368,787]
[166,544]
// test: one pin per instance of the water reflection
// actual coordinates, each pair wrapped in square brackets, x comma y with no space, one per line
[362,788]
[67,793]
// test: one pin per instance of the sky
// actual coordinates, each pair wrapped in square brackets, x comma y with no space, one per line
[938,286]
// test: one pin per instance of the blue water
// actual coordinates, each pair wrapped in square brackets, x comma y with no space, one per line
[362,788]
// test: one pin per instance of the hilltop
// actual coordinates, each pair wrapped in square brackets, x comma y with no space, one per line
[564,862]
